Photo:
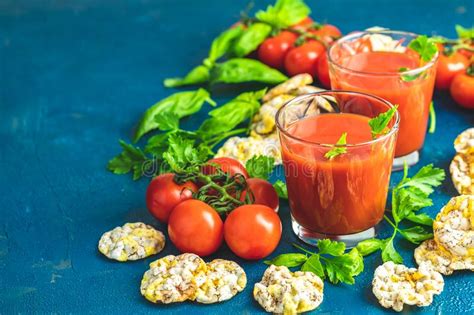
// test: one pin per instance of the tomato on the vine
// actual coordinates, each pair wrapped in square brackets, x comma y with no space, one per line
[263,193]
[323,71]
[273,50]
[195,227]
[304,58]
[163,194]
[448,67]
[327,32]
[462,89]
[228,165]
[252,231]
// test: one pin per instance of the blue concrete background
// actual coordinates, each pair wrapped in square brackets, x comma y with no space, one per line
[76,75]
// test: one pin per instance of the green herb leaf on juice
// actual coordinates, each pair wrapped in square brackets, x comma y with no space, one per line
[223,43]
[327,246]
[284,13]
[369,246]
[288,260]
[424,46]
[408,77]
[432,128]
[420,218]
[251,38]
[198,75]
[131,159]
[313,264]
[238,70]
[260,166]
[389,253]
[465,33]
[337,150]
[416,234]
[378,125]
[181,104]
[281,189]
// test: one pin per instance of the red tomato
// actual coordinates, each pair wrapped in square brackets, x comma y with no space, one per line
[448,67]
[304,24]
[195,227]
[263,193]
[273,50]
[323,71]
[304,58]
[163,194]
[228,165]
[327,32]
[252,231]
[462,90]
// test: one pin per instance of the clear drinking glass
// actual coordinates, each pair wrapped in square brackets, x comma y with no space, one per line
[380,63]
[343,197]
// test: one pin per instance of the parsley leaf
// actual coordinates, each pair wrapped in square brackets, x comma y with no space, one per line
[288,260]
[426,179]
[327,246]
[260,166]
[369,246]
[337,150]
[389,252]
[284,13]
[281,189]
[378,125]
[465,33]
[130,159]
[183,153]
[424,46]
[420,218]
[313,264]
[416,234]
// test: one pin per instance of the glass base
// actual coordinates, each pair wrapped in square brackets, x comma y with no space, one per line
[410,159]
[351,240]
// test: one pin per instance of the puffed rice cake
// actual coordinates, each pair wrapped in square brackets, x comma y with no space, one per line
[223,280]
[395,285]
[131,241]
[173,278]
[245,148]
[462,172]
[281,291]
[453,227]
[464,141]
[440,259]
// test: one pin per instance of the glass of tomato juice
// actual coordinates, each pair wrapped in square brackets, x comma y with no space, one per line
[380,63]
[341,197]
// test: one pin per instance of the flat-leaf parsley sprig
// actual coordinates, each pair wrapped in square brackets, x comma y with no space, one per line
[338,149]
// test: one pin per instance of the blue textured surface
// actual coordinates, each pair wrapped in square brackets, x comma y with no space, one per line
[75,76]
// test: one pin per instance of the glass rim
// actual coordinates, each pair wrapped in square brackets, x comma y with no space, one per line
[414,71]
[393,129]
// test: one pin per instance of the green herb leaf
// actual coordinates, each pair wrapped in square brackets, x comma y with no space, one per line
[288,260]
[465,33]
[408,77]
[198,75]
[183,153]
[389,253]
[432,128]
[416,234]
[341,268]
[313,264]
[281,189]
[337,150]
[284,13]
[238,70]
[424,46]
[181,104]
[358,265]
[378,125]
[420,218]
[167,121]
[333,248]
[251,38]
[426,179]
[369,246]
[260,166]
[222,44]
[130,159]
[157,144]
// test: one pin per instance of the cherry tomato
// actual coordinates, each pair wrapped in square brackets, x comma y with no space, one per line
[462,90]
[252,231]
[195,227]
[228,165]
[263,193]
[327,32]
[163,194]
[304,58]
[323,71]
[273,50]
[448,67]
[304,24]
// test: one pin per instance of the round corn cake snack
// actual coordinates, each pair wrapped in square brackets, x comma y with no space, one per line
[464,141]
[131,242]
[462,172]
[440,259]
[281,291]
[395,285]
[290,84]
[245,148]
[223,280]
[453,227]
[173,279]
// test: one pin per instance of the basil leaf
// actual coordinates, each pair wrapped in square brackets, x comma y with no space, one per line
[181,104]
[416,234]
[260,166]
[281,189]
[369,246]
[251,38]
[389,253]
[333,248]
[288,260]
[420,218]
[198,75]
[284,13]
[221,45]
[130,159]
[313,264]
[240,70]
